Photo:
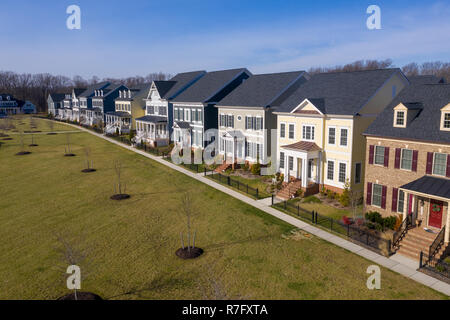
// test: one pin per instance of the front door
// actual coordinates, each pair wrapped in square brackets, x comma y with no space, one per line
[436,208]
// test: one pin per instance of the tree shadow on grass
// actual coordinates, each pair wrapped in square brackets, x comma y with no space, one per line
[222,245]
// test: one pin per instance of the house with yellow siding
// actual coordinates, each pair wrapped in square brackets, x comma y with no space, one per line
[320,126]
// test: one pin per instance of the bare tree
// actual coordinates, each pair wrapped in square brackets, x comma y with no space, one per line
[119,187]
[89,163]
[68,148]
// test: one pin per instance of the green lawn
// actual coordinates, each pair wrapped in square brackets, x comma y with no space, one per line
[129,246]
[255,183]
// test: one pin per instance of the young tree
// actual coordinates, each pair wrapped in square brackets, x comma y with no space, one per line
[68,148]
[188,251]
[119,187]
[89,163]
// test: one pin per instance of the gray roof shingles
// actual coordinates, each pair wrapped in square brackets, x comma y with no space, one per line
[340,93]
[435,186]
[426,125]
[260,90]
[209,85]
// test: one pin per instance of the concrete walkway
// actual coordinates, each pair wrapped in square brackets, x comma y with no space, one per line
[395,263]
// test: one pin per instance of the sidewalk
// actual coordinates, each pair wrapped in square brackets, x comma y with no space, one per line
[395,263]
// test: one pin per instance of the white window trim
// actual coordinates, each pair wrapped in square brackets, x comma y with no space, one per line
[404,118]
[334,170]
[373,193]
[398,201]
[434,159]
[443,113]
[412,158]
[374,156]
[339,171]
[289,124]
[348,136]
[312,126]
[283,122]
[328,135]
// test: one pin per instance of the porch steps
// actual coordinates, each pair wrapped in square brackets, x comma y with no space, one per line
[417,240]
[224,166]
[289,190]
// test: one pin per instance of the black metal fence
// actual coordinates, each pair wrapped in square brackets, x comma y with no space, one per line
[435,266]
[355,233]
[240,186]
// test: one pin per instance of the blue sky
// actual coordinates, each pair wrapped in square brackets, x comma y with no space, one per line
[136,37]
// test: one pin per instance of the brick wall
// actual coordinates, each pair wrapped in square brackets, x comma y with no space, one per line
[394,178]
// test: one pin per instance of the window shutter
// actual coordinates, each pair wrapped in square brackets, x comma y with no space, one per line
[371,151]
[246,122]
[386,156]
[369,193]
[383,198]
[414,161]
[394,199]
[447,173]
[398,153]
[429,162]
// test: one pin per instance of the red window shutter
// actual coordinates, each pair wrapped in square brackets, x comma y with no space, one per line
[369,193]
[383,198]
[371,151]
[414,161]
[447,173]
[386,156]
[398,153]
[394,199]
[429,162]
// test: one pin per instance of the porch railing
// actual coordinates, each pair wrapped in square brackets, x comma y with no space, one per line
[400,234]
[437,244]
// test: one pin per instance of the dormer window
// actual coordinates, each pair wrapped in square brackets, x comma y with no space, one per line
[400,118]
[445,118]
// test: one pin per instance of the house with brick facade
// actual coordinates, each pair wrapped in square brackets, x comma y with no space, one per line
[408,165]
[320,126]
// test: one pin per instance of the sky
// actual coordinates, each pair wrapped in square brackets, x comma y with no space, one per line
[137,37]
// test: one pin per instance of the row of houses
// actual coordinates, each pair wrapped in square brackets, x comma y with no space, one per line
[378,132]
[11,106]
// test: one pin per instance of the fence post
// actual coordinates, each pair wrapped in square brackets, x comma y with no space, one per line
[421,260]
[367,240]
[348,230]
[285,204]
[204,170]
[257,193]
[389,246]
[272,198]
[228,180]
[312,216]
[298,209]
[331,224]
[247,187]
[238,184]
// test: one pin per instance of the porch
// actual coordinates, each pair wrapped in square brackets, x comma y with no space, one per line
[426,201]
[152,130]
[232,147]
[301,161]
[118,121]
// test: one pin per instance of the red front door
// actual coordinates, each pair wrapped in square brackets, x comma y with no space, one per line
[436,208]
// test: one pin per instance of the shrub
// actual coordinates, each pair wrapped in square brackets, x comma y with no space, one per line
[344,198]
[330,194]
[256,168]
[312,199]
[298,193]
[374,216]
[346,220]
[246,166]
[390,222]
[398,223]
[336,196]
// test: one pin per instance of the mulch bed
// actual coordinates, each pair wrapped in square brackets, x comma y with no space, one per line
[81,296]
[69,155]
[32,131]
[88,170]
[7,138]
[119,197]
[21,153]
[33,145]
[189,254]
[51,133]
[3,135]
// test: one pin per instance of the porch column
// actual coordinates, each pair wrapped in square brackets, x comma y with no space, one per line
[406,206]
[305,172]
[286,168]
[447,224]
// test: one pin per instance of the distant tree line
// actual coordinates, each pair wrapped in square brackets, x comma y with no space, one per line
[36,87]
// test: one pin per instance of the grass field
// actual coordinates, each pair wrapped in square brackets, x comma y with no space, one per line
[129,245]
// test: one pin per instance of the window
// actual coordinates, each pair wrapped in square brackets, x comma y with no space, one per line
[377,194]
[407,157]
[282,130]
[222,120]
[379,155]
[344,136]
[401,201]
[342,172]
[331,135]
[308,133]
[447,120]
[291,163]
[281,160]
[440,164]
[151,110]
[230,121]
[358,173]
[291,131]
[400,118]
[186,114]
[330,170]
[310,165]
